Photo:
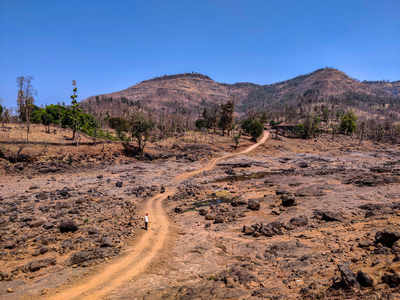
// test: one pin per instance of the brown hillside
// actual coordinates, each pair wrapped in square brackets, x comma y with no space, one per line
[192,91]
[189,91]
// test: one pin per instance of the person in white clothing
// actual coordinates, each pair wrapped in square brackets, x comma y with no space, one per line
[146,221]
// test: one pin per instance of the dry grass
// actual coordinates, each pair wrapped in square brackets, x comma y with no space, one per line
[17,133]
[224,143]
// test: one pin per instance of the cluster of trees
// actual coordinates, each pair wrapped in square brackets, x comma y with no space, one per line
[253,126]
[139,126]
[215,117]
[66,117]
[58,115]
[222,117]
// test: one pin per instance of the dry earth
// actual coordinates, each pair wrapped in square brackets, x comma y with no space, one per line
[294,219]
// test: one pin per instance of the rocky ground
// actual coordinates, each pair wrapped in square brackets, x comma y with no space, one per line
[293,220]
[316,220]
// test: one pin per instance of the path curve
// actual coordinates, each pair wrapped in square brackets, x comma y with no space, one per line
[145,249]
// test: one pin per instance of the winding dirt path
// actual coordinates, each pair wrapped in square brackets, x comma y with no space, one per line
[145,249]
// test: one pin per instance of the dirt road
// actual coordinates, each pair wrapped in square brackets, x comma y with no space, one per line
[146,249]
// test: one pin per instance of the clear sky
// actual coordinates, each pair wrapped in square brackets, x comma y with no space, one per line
[108,45]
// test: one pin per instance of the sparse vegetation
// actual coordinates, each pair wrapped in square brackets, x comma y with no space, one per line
[348,123]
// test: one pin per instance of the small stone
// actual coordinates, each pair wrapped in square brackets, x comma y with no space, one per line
[10,290]
[178,210]
[119,184]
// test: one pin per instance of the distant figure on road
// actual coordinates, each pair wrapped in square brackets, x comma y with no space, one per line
[146,221]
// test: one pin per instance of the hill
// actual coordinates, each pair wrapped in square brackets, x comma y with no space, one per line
[190,92]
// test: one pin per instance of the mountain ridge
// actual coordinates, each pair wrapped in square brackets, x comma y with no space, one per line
[191,92]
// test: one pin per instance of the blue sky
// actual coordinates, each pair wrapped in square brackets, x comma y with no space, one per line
[109,45]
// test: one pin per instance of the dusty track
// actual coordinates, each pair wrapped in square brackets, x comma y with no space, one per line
[145,250]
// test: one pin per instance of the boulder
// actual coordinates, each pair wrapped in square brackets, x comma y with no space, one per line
[349,279]
[106,242]
[219,219]
[36,265]
[68,226]
[387,238]
[237,201]
[288,200]
[391,279]
[178,210]
[299,221]
[84,256]
[364,279]
[329,216]
[253,204]
[202,212]
[248,230]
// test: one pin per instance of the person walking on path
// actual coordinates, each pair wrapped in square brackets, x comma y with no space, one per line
[146,221]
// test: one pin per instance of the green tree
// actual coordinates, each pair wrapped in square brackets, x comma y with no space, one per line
[348,123]
[140,129]
[226,119]
[75,110]
[47,120]
[253,127]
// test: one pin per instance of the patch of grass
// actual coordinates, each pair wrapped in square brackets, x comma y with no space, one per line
[226,195]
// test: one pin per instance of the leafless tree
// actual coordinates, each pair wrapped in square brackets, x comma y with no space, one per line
[25,100]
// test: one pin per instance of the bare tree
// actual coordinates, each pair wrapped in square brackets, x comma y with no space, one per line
[25,100]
